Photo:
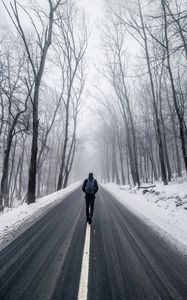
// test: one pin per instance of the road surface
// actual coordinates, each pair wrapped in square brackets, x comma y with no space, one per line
[127,259]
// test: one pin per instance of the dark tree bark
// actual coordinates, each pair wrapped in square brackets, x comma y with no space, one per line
[182,127]
[157,120]
[20,184]
[38,73]
[11,134]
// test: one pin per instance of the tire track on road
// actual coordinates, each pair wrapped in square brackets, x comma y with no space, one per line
[32,264]
[129,260]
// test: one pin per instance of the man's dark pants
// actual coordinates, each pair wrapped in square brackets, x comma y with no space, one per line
[90,198]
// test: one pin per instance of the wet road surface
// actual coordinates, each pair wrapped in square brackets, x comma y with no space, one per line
[128,259]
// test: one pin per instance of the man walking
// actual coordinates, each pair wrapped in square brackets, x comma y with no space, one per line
[90,188]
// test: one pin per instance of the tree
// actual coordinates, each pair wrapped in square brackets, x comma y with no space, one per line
[43,42]
[70,44]
[115,72]
[15,95]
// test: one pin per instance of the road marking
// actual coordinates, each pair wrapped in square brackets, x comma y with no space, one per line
[83,285]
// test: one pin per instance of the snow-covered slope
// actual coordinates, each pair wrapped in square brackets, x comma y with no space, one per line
[17,220]
[164,207]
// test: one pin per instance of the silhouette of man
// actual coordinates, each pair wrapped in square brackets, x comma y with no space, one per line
[90,188]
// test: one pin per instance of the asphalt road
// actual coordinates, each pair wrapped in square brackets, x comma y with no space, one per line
[128,259]
[45,261]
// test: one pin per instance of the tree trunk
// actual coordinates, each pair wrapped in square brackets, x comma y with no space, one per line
[145,167]
[177,109]
[62,165]
[39,173]
[128,173]
[107,164]
[4,181]
[70,167]
[120,157]
[34,149]
[158,129]
[12,168]
[165,147]
[49,175]
[15,183]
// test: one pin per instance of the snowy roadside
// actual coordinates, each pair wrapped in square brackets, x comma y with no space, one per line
[164,208]
[16,221]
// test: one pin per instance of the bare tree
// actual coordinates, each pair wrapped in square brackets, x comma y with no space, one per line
[179,111]
[71,44]
[43,41]
[16,93]
[115,72]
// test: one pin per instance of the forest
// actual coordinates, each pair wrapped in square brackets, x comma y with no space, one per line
[142,111]
[139,94]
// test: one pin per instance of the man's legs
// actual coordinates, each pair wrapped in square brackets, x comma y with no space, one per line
[91,207]
[87,208]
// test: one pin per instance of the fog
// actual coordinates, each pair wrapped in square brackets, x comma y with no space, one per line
[104,93]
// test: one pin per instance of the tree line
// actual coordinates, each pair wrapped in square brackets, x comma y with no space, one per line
[143,110]
[42,76]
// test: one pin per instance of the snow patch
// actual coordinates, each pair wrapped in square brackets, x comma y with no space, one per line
[162,207]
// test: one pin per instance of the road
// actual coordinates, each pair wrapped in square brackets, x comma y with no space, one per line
[128,259]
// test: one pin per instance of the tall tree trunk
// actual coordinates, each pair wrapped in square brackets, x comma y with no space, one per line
[174,127]
[165,147]
[131,125]
[107,164]
[62,164]
[177,109]
[157,121]
[4,179]
[115,175]
[128,172]
[15,183]
[135,152]
[38,77]
[70,157]
[70,166]
[12,166]
[34,148]
[39,173]
[49,173]
[21,170]
[145,167]
[151,155]
[120,157]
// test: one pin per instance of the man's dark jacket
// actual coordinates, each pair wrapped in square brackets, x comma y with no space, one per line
[90,196]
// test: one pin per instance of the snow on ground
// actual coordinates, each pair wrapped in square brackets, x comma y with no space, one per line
[16,221]
[162,207]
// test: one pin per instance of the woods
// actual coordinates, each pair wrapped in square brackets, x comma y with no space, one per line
[42,79]
[139,132]
[148,88]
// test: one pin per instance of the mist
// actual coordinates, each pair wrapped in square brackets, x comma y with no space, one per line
[98,87]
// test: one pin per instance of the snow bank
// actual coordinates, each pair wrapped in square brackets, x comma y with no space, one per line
[163,207]
[19,219]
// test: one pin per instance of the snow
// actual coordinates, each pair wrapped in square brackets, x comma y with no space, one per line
[16,221]
[162,207]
